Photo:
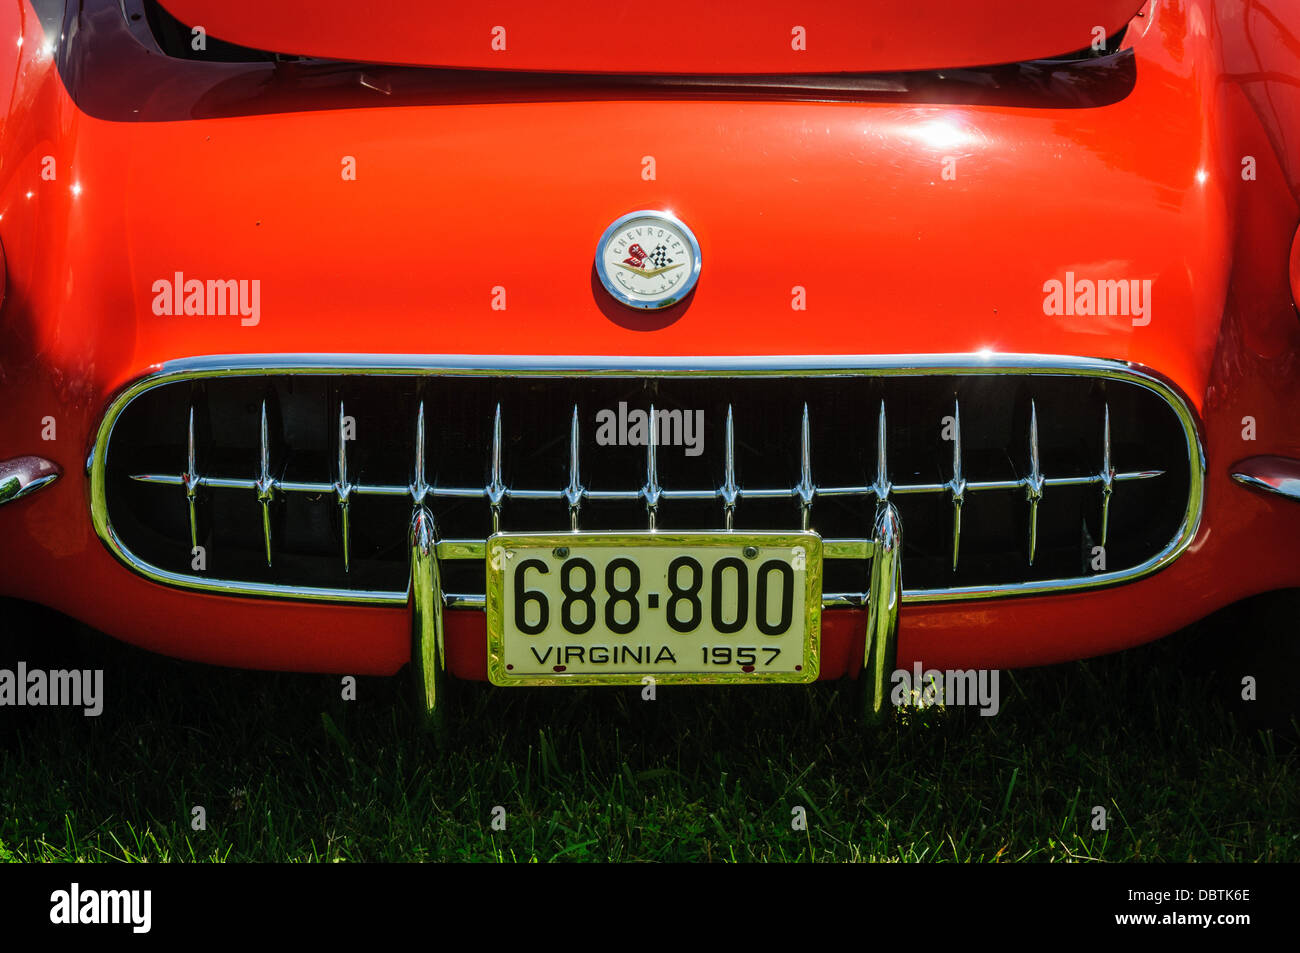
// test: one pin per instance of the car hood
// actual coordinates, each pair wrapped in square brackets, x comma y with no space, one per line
[465,221]
[723,36]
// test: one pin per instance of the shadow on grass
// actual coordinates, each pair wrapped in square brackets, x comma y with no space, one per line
[286,770]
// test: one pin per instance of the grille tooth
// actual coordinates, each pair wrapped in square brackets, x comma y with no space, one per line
[574,492]
[729,492]
[496,488]
[1034,481]
[882,486]
[1107,475]
[343,489]
[806,490]
[957,485]
[652,491]
[191,480]
[959,528]
[266,483]
[419,484]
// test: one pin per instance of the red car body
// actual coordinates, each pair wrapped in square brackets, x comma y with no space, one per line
[165,165]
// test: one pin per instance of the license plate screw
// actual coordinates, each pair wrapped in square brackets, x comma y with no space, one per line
[750,552]
[560,552]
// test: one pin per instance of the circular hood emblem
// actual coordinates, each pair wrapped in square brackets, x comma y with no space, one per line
[648,260]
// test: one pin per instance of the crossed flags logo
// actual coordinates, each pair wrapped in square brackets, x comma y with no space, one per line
[639,258]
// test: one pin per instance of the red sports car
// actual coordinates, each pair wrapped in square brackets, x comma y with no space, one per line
[595,343]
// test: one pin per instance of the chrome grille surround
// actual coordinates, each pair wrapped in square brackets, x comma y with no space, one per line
[265,486]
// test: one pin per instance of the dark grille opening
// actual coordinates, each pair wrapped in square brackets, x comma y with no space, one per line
[1149,454]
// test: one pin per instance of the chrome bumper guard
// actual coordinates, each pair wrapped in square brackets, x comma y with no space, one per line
[428,648]
[884,598]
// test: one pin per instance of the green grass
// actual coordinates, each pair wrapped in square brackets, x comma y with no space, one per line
[288,771]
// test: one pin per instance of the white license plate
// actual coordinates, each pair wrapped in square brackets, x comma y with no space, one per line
[613,608]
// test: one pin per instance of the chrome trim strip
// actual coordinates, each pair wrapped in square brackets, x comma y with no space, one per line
[476,493]
[844,600]
[847,548]
[464,600]
[462,549]
[479,366]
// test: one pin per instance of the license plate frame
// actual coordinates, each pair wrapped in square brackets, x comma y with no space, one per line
[503,548]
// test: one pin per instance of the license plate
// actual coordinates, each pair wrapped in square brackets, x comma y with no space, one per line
[602,609]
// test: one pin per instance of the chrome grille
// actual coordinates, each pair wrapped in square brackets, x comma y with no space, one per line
[1008,475]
